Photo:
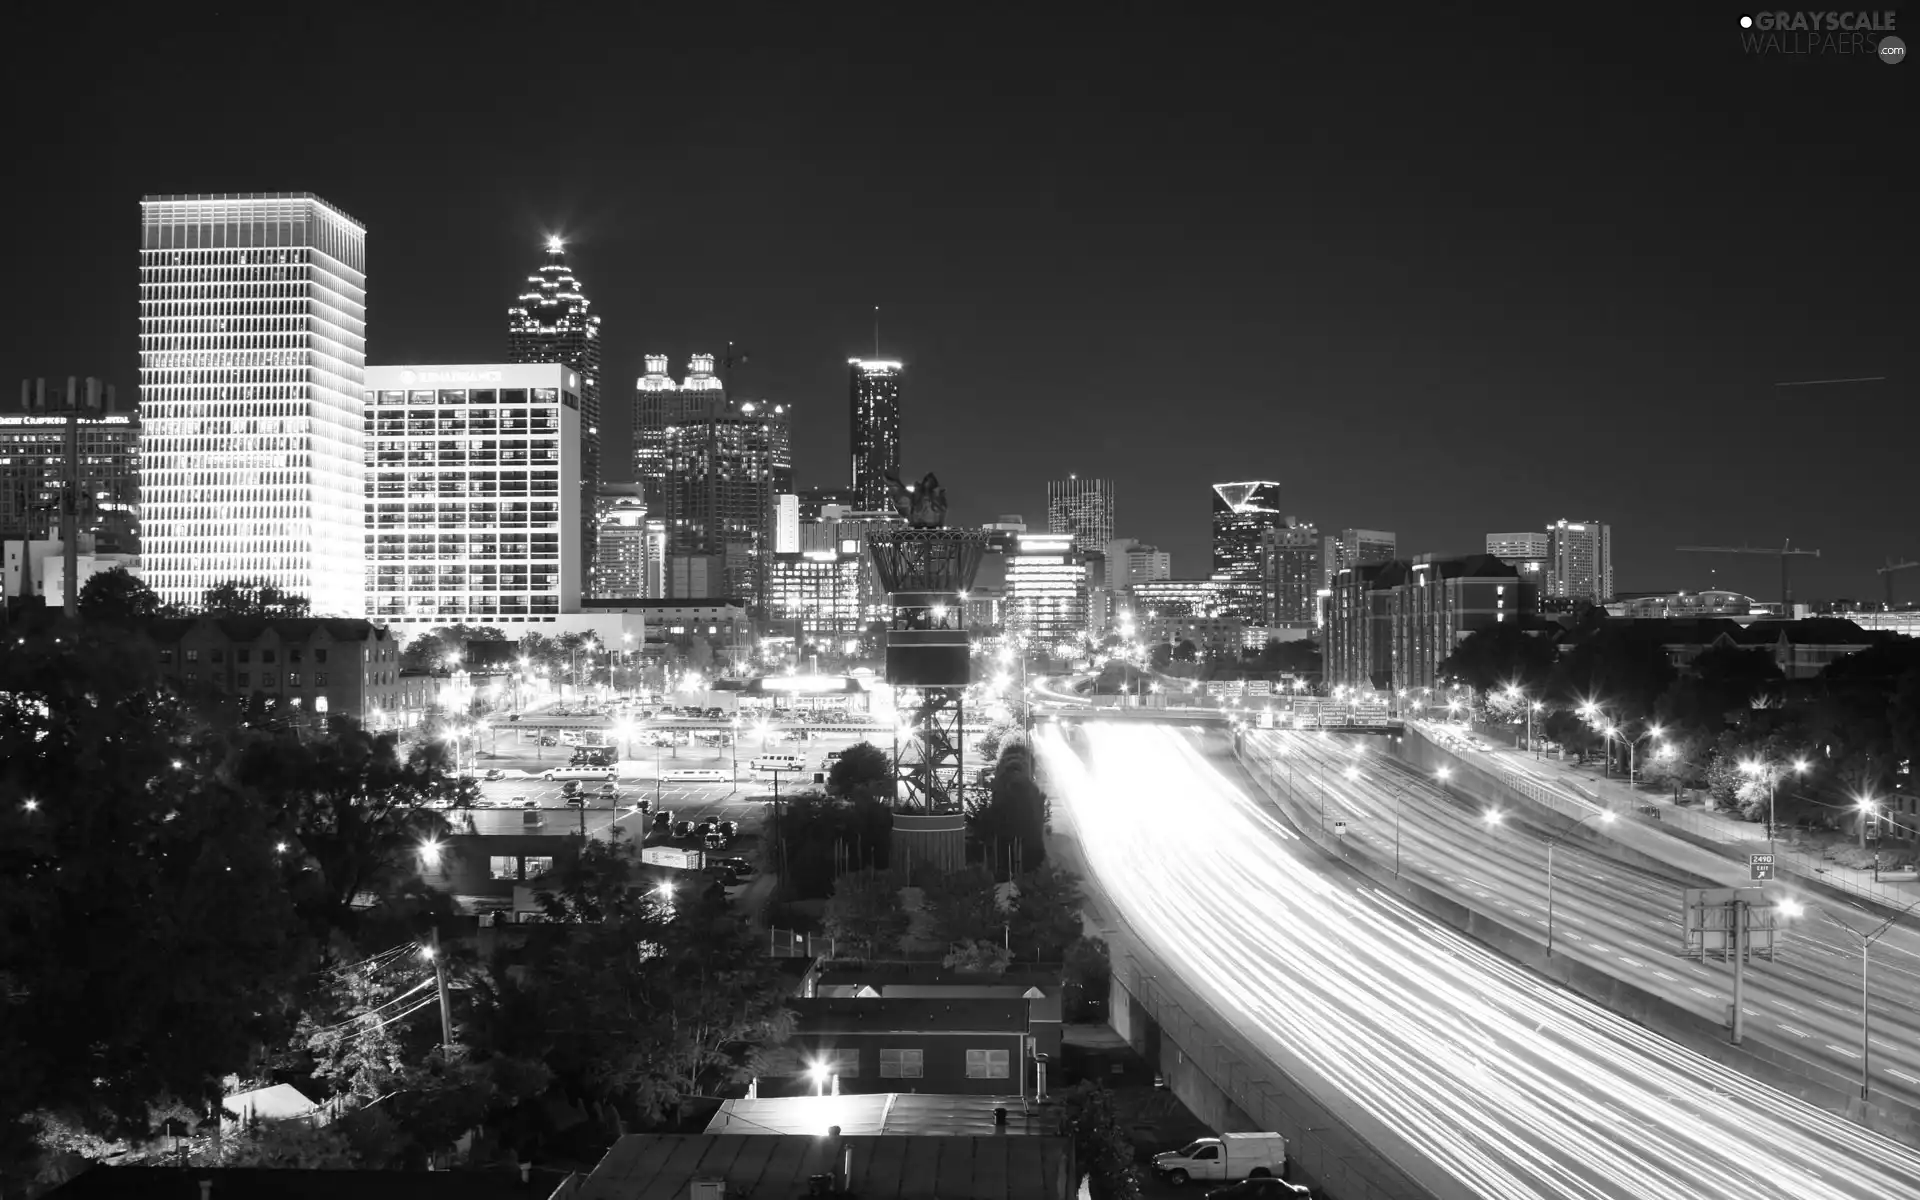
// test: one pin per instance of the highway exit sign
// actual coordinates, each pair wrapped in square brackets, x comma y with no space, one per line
[1760,866]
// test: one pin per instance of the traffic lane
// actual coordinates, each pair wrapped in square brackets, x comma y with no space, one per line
[1807,1012]
[1495,1074]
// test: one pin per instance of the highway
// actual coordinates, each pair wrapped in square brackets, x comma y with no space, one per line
[1805,1002]
[1506,1085]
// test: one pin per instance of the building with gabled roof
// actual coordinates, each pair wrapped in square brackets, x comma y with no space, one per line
[305,668]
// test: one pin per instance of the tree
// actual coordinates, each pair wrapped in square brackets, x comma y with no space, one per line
[1721,687]
[1102,1152]
[121,596]
[963,906]
[1013,820]
[1499,656]
[1160,656]
[1186,651]
[440,648]
[1299,657]
[863,770]
[978,956]
[1087,973]
[1046,912]
[251,598]
[865,911]
[150,932]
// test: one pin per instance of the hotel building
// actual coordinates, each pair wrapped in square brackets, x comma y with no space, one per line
[470,508]
[1046,589]
[252,382]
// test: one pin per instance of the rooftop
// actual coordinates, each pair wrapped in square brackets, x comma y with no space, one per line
[917,1015]
[879,1114]
[280,1183]
[661,1167]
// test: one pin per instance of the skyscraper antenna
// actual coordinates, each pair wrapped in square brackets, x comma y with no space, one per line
[876,331]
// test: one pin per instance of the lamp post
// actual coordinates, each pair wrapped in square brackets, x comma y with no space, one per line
[1771,771]
[1602,817]
[1614,733]
[1866,941]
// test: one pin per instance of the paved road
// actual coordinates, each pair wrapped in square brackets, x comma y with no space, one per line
[1505,1085]
[1804,1002]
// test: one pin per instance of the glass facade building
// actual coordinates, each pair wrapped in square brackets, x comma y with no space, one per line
[470,508]
[1243,515]
[874,407]
[820,591]
[252,375]
[725,462]
[553,323]
[660,403]
[34,472]
[1081,507]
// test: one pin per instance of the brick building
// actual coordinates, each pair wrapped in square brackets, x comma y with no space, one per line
[323,666]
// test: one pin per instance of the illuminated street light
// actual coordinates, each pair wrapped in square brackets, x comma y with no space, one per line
[1605,818]
[30,804]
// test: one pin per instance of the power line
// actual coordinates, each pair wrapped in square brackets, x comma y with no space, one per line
[1817,382]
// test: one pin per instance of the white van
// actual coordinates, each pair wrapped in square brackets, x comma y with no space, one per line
[608,774]
[694,775]
[780,762]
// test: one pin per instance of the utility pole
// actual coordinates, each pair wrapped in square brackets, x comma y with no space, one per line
[440,981]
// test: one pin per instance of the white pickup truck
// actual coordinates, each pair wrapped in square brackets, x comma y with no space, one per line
[1227,1157]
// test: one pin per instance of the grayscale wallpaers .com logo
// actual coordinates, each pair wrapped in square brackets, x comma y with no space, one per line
[1808,33]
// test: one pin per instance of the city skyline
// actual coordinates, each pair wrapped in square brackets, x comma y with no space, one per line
[1535,329]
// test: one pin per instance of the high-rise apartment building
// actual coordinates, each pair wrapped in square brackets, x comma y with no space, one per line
[1356,548]
[1130,562]
[72,439]
[817,591]
[660,402]
[552,324]
[1046,589]
[1526,553]
[470,506]
[1291,572]
[1083,508]
[874,408]
[252,380]
[1243,513]
[725,462]
[620,552]
[1580,561]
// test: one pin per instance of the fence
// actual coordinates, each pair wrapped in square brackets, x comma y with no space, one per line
[1743,836]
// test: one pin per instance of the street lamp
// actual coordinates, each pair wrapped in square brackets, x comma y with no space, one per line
[1615,732]
[1866,941]
[1771,771]
[1605,818]
[1869,811]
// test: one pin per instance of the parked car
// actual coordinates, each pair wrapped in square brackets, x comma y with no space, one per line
[577,800]
[662,822]
[610,790]
[545,740]
[682,829]
[493,773]
[730,828]
[707,826]
[524,802]
[716,842]
[571,787]
[739,866]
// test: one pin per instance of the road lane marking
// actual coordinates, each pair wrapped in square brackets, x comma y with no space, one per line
[1799,1033]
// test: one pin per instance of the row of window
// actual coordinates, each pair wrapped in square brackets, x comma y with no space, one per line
[912,1064]
[268,679]
[243,654]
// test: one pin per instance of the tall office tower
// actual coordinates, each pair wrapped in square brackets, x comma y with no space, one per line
[1083,508]
[725,461]
[1580,561]
[551,324]
[1291,573]
[73,439]
[1526,553]
[874,405]
[620,562]
[1130,562]
[252,369]
[470,507]
[1242,515]
[660,402]
[1047,600]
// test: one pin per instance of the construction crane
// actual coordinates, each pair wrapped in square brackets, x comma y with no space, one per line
[1888,572]
[1786,554]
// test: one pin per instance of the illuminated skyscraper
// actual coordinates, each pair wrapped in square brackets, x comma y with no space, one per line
[1580,561]
[1243,513]
[1083,508]
[552,324]
[725,463]
[252,367]
[659,402]
[874,403]
[1047,589]
[469,509]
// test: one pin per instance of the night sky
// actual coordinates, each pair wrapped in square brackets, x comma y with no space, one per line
[1440,276]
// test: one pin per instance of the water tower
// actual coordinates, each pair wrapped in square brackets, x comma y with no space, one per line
[925,568]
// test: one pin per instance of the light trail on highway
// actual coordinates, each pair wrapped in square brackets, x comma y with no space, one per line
[1509,1086]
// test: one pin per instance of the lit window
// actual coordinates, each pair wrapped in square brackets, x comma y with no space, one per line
[539,865]
[843,1062]
[503,866]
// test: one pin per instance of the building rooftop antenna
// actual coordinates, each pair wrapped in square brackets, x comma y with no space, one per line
[876,332]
